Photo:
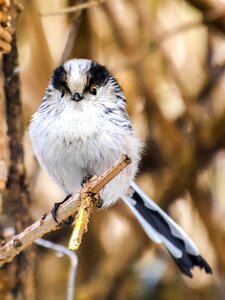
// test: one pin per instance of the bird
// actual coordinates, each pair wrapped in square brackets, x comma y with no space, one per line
[80,129]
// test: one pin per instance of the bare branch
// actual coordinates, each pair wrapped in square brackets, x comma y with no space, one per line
[75,8]
[47,223]
[16,200]
[87,203]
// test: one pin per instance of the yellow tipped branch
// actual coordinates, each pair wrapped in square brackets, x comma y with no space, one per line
[47,224]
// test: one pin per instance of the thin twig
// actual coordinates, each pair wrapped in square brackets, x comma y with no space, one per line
[73,261]
[47,223]
[81,222]
[87,202]
[74,8]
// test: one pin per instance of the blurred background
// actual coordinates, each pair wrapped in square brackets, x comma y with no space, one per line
[169,57]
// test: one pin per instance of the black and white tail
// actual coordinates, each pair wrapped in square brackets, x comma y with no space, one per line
[162,229]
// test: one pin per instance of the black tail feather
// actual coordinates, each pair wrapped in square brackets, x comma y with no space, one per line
[188,261]
[162,229]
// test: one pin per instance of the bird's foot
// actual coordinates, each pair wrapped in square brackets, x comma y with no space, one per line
[85,179]
[97,200]
[96,197]
[56,207]
[69,221]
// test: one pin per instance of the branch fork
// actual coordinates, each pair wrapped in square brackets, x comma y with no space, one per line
[81,202]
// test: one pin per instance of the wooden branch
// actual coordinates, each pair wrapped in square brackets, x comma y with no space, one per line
[16,200]
[75,8]
[16,204]
[47,223]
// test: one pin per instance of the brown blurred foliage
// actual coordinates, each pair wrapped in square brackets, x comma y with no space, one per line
[169,58]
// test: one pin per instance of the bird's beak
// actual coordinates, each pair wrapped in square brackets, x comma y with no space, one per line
[77,97]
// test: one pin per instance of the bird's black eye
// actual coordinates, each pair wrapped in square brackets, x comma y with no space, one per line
[63,94]
[93,90]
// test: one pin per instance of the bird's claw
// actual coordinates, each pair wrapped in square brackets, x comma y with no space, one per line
[85,179]
[98,200]
[69,221]
[56,207]
[54,211]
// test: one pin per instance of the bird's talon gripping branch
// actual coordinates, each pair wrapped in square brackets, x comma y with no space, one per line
[98,202]
[54,211]
[85,179]
[56,207]
[69,221]
[90,198]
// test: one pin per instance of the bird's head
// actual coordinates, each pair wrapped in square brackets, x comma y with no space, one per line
[85,81]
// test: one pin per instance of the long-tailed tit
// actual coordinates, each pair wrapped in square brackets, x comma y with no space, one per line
[80,129]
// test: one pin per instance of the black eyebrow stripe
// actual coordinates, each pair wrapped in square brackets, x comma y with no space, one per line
[98,75]
[59,79]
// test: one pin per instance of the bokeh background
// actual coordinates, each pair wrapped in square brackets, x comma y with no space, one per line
[169,57]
